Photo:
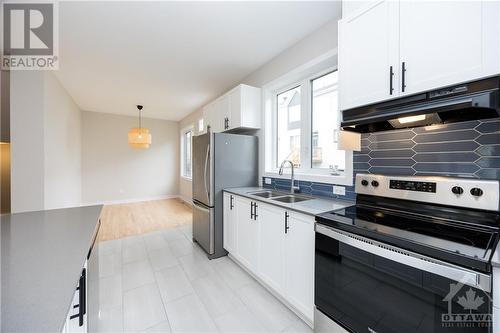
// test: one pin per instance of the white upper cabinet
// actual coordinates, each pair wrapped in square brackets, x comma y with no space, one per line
[245,106]
[444,43]
[428,45]
[218,113]
[368,47]
[239,108]
[209,113]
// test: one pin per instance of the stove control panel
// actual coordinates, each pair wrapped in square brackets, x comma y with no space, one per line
[412,185]
[451,191]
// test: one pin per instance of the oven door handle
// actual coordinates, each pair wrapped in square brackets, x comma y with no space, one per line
[408,258]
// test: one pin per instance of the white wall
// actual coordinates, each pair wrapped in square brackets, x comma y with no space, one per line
[348,7]
[320,42]
[113,172]
[63,187]
[316,45]
[27,140]
[45,143]
[62,157]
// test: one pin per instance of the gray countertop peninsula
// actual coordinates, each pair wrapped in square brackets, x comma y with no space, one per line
[311,207]
[42,256]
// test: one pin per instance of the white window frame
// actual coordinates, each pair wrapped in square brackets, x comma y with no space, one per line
[305,172]
[183,151]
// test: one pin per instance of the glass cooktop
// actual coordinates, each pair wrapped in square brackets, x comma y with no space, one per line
[464,233]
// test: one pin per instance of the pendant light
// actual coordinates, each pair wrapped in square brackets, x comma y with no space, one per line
[139,137]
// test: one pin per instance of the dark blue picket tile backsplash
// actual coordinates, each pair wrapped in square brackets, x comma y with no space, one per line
[467,149]
[312,188]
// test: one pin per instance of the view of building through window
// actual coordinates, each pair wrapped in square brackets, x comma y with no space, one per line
[325,123]
[289,126]
[319,128]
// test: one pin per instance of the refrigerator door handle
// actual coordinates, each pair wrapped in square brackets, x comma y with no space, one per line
[199,207]
[206,166]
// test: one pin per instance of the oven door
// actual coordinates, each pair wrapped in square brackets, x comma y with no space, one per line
[366,286]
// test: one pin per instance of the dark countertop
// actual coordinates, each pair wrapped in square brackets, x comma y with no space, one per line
[42,256]
[310,207]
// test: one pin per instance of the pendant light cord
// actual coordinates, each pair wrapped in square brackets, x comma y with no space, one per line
[139,107]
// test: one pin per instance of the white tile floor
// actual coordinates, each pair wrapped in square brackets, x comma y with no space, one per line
[162,282]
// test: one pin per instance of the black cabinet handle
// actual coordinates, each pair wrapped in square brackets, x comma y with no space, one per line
[82,308]
[251,210]
[286,222]
[391,76]
[403,76]
[255,211]
[231,204]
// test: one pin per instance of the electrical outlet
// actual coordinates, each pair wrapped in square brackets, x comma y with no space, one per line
[267,181]
[339,190]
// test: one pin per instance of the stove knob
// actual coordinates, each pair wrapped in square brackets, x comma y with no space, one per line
[374,183]
[457,190]
[476,191]
[364,182]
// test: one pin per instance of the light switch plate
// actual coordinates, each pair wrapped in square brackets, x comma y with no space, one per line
[339,190]
[267,181]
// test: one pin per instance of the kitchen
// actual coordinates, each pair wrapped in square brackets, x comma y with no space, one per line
[340,174]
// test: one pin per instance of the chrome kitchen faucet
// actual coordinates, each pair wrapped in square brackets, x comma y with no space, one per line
[293,188]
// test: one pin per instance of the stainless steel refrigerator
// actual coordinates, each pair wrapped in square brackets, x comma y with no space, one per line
[220,161]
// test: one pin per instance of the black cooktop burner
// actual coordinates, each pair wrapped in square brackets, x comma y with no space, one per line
[463,236]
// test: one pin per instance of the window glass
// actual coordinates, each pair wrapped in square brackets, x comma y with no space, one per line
[187,165]
[325,122]
[289,126]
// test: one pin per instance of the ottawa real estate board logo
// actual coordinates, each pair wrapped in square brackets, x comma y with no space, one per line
[30,35]
[468,308]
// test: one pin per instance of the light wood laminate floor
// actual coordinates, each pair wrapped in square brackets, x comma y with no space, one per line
[119,221]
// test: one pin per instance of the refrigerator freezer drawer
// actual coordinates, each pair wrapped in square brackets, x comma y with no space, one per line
[203,226]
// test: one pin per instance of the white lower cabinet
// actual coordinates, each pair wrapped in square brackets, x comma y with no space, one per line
[247,233]
[277,246]
[299,249]
[272,247]
[230,231]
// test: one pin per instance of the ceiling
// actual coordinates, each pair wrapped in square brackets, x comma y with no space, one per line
[173,57]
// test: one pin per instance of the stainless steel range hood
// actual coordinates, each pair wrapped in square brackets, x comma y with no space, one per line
[468,101]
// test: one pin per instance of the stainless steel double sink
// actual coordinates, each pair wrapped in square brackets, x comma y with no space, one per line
[280,196]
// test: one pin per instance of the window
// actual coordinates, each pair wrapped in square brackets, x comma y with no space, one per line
[187,153]
[325,117]
[301,125]
[288,140]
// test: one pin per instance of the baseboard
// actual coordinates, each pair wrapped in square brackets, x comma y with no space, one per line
[187,201]
[134,200]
